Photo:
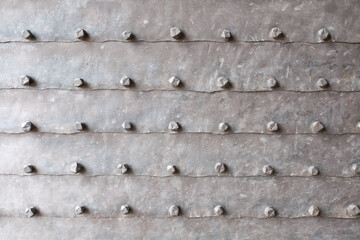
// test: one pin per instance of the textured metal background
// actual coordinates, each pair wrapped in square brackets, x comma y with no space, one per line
[53,58]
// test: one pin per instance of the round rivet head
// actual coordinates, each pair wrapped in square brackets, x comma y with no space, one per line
[174,126]
[218,210]
[176,33]
[223,82]
[223,127]
[174,81]
[80,33]
[272,126]
[125,209]
[272,83]
[30,212]
[220,167]
[269,212]
[171,169]
[127,35]
[126,126]
[25,80]
[29,168]
[358,126]
[226,35]
[353,210]
[78,82]
[275,32]
[322,83]
[268,170]
[174,211]
[27,126]
[317,126]
[75,167]
[123,168]
[27,34]
[313,211]
[355,167]
[79,210]
[125,81]
[323,34]
[79,126]
[313,170]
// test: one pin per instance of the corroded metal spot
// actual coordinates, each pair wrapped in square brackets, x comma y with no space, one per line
[79,210]
[353,210]
[25,80]
[125,209]
[174,126]
[171,169]
[176,33]
[174,81]
[275,32]
[27,126]
[26,34]
[322,83]
[313,170]
[268,170]
[123,167]
[29,168]
[218,210]
[317,126]
[30,212]
[313,211]
[223,82]
[323,34]
[78,82]
[269,212]
[80,33]
[226,35]
[174,210]
[272,126]
[223,127]
[125,81]
[76,167]
[220,167]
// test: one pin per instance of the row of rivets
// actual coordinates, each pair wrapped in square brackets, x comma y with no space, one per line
[171,169]
[176,33]
[174,210]
[174,81]
[174,126]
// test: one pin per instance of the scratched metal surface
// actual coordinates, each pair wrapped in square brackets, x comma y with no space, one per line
[57,111]
[248,66]
[57,196]
[200,20]
[192,154]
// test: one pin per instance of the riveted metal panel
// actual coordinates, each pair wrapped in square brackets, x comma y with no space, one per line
[191,154]
[248,66]
[200,20]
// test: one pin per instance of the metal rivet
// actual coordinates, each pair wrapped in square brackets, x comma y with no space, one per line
[220,167]
[275,32]
[176,33]
[75,167]
[125,81]
[313,211]
[27,126]
[218,210]
[317,126]
[171,169]
[174,81]
[126,126]
[27,34]
[125,209]
[272,83]
[272,126]
[269,212]
[353,210]
[30,212]
[268,170]
[313,170]
[25,80]
[29,168]
[174,211]
[80,33]
[79,126]
[127,35]
[323,34]
[322,83]
[79,210]
[358,126]
[223,127]
[174,126]
[355,167]
[226,35]
[223,82]
[78,82]
[123,168]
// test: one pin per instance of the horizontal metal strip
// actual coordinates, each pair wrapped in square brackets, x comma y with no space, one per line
[178,228]
[248,67]
[191,154]
[199,20]
[106,111]
[57,196]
